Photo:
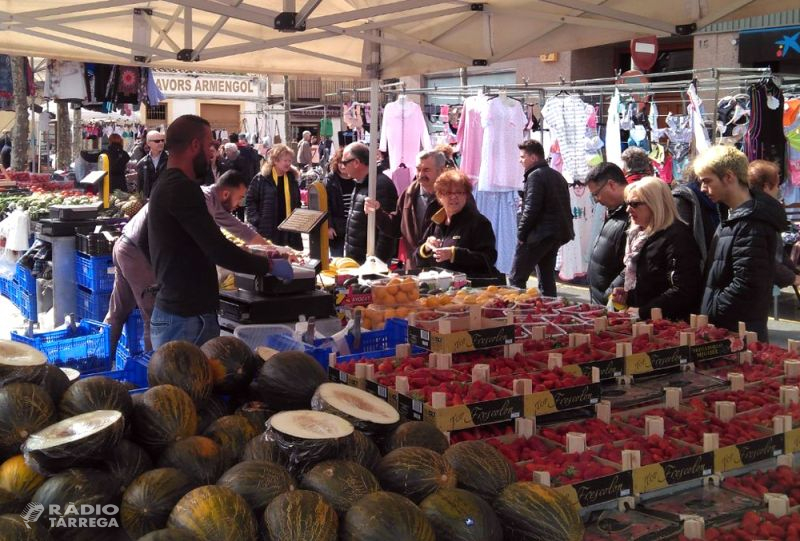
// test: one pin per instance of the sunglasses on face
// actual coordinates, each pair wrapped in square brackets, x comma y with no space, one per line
[345,162]
[635,204]
[156,140]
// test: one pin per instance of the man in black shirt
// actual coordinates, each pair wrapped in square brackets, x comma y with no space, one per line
[186,243]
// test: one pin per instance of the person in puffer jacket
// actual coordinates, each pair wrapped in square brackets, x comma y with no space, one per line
[741,263]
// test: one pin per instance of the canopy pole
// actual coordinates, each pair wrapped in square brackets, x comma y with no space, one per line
[374,97]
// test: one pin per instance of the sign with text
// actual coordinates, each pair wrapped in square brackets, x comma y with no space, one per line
[182,85]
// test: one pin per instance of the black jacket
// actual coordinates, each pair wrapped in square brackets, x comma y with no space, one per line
[546,210]
[337,217]
[147,173]
[355,244]
[241,164]
[605,262]
[668,274]
[741,265]
[265,209]
[471,233]
[117,165]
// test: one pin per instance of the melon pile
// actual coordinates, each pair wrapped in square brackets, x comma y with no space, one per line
[225,446]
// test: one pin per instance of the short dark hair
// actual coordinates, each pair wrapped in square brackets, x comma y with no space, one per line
[183,131]
[232,178]
[532,147]
[233,137]
[607,172]
[359,151]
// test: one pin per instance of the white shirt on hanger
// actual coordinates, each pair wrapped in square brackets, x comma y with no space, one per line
[503,121]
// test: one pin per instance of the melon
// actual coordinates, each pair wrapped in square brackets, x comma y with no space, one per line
[307,437]
[341,483]
[170,534]
[126,462]
[368,413]
[10,502]
[149,500]
[25,408]
[385,516]
[231,433]
[288,380]
[233,364]
[95,393]
[77,486]
[19,479]
[301,515]
[459,515]
[72,374]
[363,451]
[162,416]
[533,512]
[480,468]
[183,365]
[417,434]
[256,414]
[214,513]
[260,448]
[415,472]
[79,440]
[211,410]
[55,381]
[258,482]
[13,528]
[197,456]
[20,363]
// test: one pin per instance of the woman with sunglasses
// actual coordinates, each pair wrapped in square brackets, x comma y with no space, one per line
[459,237]
[662,260]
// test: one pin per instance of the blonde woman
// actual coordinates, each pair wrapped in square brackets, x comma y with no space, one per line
[273,195]
[662,260]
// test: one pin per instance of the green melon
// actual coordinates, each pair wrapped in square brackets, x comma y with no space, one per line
[533,512]
[287,380]
[10,502]
[55,381]
[162,416]
[458,515]
[417,434]
[211,410]
[149,500]
[385,516]
[260,448]
[415,472]
[197,456]
[307,437]
[215,513]
[13,528]
[183,365]
[170,534]
[233,364]
[95,393]
[480,468]
[20,363]
[367,413]
[256,413]
[231,433]
[258,482]
[81,440]
[25,408]
[19,479]
[363,451]
[126,462]
[301,515]
[341,483]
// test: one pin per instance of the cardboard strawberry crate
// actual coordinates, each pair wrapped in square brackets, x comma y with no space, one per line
[776,480]
[755,524]
[614,525]
[458,342]
[715,505]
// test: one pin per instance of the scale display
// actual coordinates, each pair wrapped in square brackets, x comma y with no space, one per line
[303,221]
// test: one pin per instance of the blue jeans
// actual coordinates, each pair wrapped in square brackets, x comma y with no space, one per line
[166,327]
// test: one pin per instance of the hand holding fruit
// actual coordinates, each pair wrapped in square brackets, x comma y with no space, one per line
[371,205]
[619,296]
[443,254]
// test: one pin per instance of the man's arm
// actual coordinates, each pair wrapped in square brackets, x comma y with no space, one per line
[228,221]
[532,207]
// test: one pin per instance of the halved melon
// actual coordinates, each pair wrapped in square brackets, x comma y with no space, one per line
[71,373]
[307,437]
[82,439]
[366,412]
[20,362]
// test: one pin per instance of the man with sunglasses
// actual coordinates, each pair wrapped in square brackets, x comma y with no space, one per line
[150,167]
[606,182]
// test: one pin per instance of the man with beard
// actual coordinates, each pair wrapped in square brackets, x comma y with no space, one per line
[185,243]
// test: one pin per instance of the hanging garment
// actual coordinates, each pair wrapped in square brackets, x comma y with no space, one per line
[613,143]
[568,116]
[401,178]
[575,254]
[765,138]
[503,121]
[556,161]
[6,84]
[96,77]
[696,110]
[154,94]
[64,81]
[404,132]
[469,135]
[652,118]
[791,128]
[326,127]
[679,133]
[733,116]
[500,208]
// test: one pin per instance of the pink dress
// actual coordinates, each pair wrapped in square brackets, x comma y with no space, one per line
[404,133]
[470,136]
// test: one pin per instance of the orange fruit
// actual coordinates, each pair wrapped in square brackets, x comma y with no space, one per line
[392,289]
[401,298]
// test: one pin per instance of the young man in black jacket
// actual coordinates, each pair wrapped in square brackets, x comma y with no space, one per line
[741,262]
[185,243]
[606,183]
[546,222]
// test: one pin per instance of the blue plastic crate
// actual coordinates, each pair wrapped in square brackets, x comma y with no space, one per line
[91,305]
[134,371]
[133,333]
[24,277]
[5,287]
[85,347]
[415,350]
[26,302]
[95,273]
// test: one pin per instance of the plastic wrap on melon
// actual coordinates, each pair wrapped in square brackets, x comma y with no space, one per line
[302,454]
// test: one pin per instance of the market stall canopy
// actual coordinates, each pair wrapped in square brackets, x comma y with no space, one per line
[343,38]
